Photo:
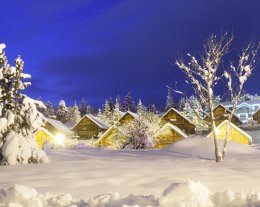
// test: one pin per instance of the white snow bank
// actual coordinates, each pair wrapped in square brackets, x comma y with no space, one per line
[186,194]
[20,149]
[203,148]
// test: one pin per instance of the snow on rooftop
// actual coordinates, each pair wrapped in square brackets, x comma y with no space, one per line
[102,124]
[60,126]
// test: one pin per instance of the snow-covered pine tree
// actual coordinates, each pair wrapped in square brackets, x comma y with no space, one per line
[128,104]
[116,112]
[19,117]
[111,104]
[140,107]
[152,108]
[83,107]
[50,111]
[169,100]
[90,109]
[62,112]
[74,114]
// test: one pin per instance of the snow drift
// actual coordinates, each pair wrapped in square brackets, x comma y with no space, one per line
[186,194]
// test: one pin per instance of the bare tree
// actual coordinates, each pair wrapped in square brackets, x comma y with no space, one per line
[204,77]
[236,78]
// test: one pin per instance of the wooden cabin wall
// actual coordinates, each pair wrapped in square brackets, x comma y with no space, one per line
[220,116]
[256,117]
[87,129]
[166,138]
[177,120]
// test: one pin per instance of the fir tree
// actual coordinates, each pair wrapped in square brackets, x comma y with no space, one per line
[19,116]
[140,107]
[116,112]
[169,100]
[50,111]
[62,112]
[152,108]
[111,104]
[128,104]
[74,114]
[90,110]
[83,107]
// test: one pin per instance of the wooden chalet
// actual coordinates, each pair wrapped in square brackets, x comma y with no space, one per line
[256,116]
[169,134]
[127,117]
[235,134]
[57,127]
[90,127]
[176,118]
[53,131]
[221,114]
[113,138]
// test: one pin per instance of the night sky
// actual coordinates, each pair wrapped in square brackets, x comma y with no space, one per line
[101,48]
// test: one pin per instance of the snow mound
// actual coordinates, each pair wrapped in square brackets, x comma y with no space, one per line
[186,194]
[203,148]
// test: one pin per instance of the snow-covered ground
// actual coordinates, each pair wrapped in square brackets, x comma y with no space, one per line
[87,172]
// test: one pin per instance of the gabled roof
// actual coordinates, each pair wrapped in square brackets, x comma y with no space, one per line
[106,132]
[134,115]
[174,128]
[178,112]
[226,109]
[102,124]
[59,126]
[234,126]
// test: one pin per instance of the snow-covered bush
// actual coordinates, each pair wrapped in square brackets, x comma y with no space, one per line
[19,117]
[141,131]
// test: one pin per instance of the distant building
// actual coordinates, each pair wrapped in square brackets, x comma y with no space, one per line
[178,119]
[244,109]
[90,127]
[53,131]
[221,113]
[235,134]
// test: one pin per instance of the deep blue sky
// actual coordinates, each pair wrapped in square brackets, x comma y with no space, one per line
[101,48]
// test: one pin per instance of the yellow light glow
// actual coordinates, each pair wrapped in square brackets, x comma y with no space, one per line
[59,138]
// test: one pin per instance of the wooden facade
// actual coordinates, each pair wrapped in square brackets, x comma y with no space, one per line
[221,114]
[112,138]
[56,127]
[176,118]
[44,135]
[168,135]
[90,127]
[127,118]
[235,134]
[256,116]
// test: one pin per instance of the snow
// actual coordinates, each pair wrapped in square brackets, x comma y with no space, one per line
[183,194]
[2,47]
[60,126]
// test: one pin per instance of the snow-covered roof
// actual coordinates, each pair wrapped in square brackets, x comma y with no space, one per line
[58,125]
[221,105]
[237,128]
[130,113]
[178,112]
[249,102]
[102,124]
[106,132]
[174,128]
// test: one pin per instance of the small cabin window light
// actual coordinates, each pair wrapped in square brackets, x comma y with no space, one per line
[173,120]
